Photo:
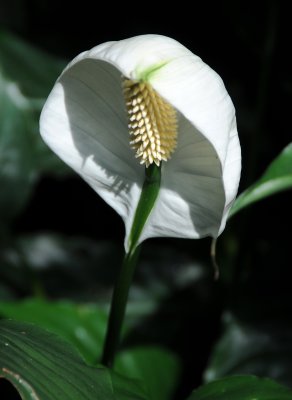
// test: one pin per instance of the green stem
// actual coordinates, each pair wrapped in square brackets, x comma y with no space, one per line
[145,205]
[118,306]
[146,202]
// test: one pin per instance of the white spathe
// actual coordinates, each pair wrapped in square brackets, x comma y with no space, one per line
[84,121]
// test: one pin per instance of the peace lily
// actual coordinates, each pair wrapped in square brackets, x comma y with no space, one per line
[151,128]
[148,100]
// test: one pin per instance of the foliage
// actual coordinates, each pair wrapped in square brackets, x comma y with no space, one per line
[276,178]
[242,388]
[23,155]
[42,366]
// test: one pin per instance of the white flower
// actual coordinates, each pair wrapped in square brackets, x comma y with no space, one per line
[85,121]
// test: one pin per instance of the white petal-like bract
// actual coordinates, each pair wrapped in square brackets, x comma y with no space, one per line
[85,122]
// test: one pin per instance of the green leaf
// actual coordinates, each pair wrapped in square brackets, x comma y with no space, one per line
[242,388]
[17,172]
[81,325]
[260,348]
[26,76]
[43,366]
[277,177]
[33,70]
[84,327]
[158,368]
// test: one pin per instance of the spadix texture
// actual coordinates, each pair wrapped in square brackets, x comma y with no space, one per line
[152,123]
[85,121]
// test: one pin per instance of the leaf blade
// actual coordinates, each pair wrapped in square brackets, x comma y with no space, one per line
[43,366]
[242,388]
[84,327]
[276,178]
[81,325]
[26,76]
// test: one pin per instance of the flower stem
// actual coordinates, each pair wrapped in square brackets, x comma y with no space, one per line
[118,306]
[145,205]
[146,202]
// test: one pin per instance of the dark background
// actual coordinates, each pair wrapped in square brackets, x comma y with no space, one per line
[248,44]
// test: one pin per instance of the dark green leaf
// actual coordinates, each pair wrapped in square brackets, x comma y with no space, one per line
[26,76]
[84,327]
[258,348]
[17,172]
[42,366]
[32,70]
[158,368]
[242,388]
[81,325]
[278,177]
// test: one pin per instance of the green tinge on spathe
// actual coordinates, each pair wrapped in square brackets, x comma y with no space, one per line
[145,74]
[146,203]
